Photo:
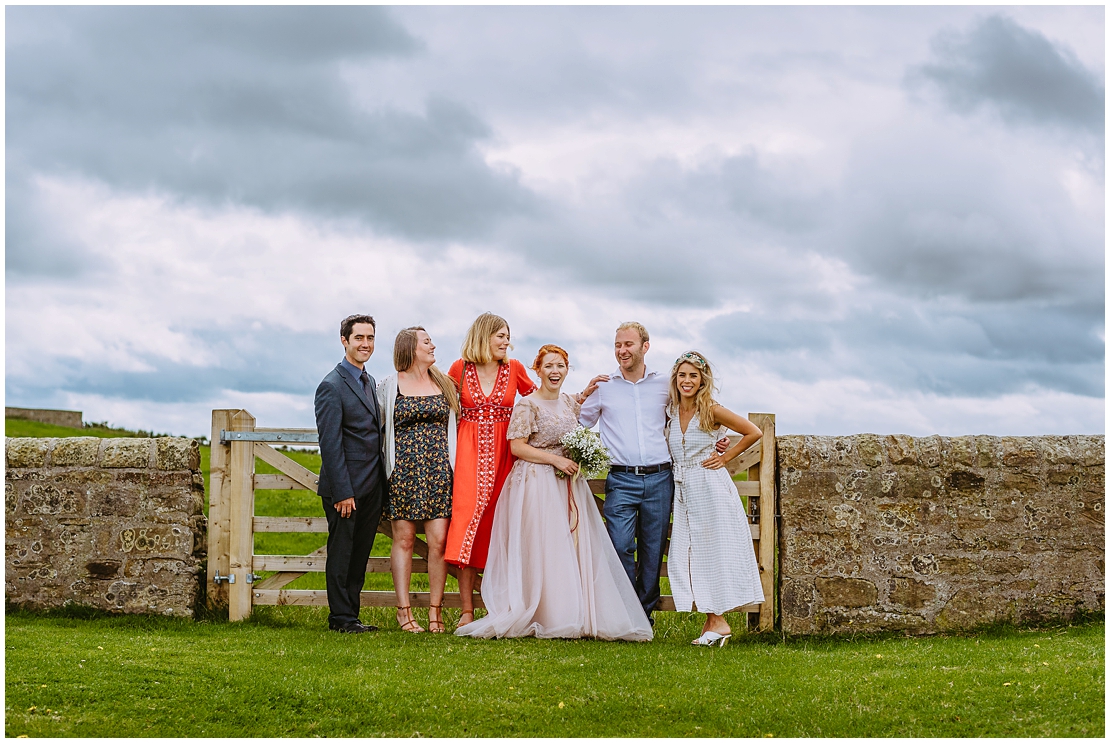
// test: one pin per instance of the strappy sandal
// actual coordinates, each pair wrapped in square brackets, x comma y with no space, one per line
[435,626]
[410,624]
[709,639]
[461,622]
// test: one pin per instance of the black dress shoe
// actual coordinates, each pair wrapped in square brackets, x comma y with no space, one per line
[351,628]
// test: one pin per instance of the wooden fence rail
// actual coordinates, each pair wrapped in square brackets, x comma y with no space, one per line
[233,565]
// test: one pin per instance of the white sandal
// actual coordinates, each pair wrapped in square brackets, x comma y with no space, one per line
[709,639]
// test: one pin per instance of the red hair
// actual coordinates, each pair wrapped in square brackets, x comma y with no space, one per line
[546,349]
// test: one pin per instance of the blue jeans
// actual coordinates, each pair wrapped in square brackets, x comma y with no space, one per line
[637,515]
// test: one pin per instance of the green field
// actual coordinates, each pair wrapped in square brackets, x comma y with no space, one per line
[282,674]
[80,673]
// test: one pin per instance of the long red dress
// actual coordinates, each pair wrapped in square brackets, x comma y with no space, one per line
[483,458]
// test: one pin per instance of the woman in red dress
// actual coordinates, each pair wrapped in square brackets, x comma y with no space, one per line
[488,385]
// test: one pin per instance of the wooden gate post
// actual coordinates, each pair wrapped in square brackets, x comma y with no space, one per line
[218,515]
[764,473]
[241,502]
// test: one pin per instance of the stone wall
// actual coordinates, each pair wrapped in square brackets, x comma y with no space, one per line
[927,534]
[115,524]
[69,418]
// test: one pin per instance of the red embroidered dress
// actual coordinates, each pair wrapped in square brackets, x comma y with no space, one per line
[483,458]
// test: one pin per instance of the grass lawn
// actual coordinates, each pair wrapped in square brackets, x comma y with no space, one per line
[34,429]
[282,674]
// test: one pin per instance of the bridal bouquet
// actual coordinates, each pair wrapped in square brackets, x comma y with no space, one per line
[584,447]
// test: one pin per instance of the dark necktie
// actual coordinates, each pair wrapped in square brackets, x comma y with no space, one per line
[364,379]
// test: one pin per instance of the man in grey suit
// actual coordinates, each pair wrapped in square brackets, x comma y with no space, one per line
[352,479]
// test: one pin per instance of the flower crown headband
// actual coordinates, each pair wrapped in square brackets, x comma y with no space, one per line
[691,357]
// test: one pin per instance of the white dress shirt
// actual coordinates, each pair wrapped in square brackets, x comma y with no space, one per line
[633,416]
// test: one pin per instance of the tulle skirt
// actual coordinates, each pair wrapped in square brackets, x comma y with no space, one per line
[552,570]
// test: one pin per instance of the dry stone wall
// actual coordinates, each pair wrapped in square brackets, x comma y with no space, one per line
[935,533]
[115,524]
[69,418]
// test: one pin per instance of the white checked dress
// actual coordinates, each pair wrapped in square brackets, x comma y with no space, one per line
[711,563]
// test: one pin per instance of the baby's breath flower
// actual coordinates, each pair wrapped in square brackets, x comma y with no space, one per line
[584,447]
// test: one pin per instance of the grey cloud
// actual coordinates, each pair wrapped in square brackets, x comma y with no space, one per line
[36,245]
[974,350]
[266,359]
[936,215]
[246,105]
[686,235]
[1017,72]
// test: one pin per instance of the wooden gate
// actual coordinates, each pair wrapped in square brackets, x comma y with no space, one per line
[232,524]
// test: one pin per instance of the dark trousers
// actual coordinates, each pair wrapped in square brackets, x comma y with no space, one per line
[349,543]
[637,516]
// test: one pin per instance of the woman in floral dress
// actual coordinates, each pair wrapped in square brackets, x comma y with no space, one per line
[419,406]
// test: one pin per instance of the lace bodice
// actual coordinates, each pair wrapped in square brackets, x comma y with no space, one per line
[544,422]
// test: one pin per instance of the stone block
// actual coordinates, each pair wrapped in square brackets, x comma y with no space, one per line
[797,599]
[177,454]
[126,453]
[131,453]
[901,449]
[791,452]
[870,450]
[975,605]
[965,481]
[1091,450]
[962,450]
[1019,452]
[911,592]
[850,592]
[23,452]
[80,451]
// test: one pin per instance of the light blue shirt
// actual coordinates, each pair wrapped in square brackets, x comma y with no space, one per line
[632,416]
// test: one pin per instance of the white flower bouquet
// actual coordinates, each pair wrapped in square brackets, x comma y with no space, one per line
[585,449]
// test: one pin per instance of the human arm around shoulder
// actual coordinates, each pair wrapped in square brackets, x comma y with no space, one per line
[333,462]
[749,432]
[590,412]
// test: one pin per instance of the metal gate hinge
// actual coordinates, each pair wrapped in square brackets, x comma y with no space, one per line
[218,579]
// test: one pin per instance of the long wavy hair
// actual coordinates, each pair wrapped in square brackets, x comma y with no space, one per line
[703,399]
[404,356]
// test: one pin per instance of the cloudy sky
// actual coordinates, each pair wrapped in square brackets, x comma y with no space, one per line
[870,219]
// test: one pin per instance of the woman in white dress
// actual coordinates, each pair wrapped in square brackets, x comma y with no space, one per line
[711,563]
[552,570]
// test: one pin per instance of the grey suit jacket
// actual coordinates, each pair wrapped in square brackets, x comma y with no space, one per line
[349,425]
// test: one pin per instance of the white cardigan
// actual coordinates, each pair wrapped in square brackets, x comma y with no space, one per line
[387,402]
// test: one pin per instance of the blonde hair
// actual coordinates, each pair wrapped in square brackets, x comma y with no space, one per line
[404,356]
[637,327]
[476,347]
[703,399]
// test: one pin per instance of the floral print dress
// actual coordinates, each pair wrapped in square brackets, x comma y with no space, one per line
[420,486]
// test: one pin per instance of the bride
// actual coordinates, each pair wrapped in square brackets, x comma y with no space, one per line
[552,570]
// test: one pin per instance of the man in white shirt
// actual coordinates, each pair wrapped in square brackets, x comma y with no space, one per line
[631,405]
